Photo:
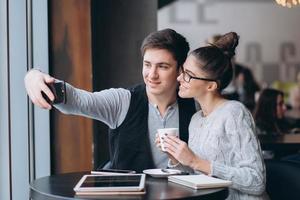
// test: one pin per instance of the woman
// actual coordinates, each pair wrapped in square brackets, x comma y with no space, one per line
[269,114]
[270,120]
[247,87]
[222,141]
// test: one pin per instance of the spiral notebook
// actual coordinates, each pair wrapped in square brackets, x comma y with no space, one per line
[199,181]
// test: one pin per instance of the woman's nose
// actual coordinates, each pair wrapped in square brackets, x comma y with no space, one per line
[284,108]
[179,78]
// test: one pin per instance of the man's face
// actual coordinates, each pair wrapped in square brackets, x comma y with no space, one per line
[160,72]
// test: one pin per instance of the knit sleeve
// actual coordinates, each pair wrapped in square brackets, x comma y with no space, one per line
[109,106]
[244,167]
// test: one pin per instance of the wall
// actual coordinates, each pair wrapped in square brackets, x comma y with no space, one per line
[269,34]
[24,130]
[93,48]
[70,60]
[118,29]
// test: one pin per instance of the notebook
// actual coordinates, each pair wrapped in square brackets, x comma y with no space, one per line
[111,184]
[199,181]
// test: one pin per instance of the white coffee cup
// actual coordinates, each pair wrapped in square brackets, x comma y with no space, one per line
[162,132]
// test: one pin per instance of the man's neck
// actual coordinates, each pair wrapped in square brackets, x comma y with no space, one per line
[162,101]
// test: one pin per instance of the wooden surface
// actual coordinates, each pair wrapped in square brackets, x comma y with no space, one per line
[60,187]
[282,146]
[70,60]
[284,139]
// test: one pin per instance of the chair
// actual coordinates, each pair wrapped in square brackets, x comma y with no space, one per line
[283,180]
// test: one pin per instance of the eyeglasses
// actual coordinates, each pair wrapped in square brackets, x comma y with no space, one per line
[187,77]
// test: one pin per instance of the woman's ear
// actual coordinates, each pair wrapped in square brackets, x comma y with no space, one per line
[212,86]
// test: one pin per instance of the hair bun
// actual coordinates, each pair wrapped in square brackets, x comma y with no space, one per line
[227,43]
[229,54]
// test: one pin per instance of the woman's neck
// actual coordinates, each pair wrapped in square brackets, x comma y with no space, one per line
[210,102]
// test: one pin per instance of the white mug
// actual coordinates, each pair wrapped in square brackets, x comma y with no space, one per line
[164,132]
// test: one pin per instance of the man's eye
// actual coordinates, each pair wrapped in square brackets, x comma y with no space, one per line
[164,66]
[147,65]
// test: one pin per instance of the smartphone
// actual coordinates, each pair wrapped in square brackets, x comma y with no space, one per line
[59,91]
[112,171]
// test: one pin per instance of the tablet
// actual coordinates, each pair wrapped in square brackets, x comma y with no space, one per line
[111,183]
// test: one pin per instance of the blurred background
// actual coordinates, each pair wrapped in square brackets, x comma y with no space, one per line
[269,34]
[94,45]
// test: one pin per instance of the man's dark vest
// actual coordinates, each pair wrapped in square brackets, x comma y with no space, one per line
[129,143]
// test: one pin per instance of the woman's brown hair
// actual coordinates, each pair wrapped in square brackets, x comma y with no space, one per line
[216,59]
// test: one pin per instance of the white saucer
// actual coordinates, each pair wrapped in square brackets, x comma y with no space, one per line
[158,173]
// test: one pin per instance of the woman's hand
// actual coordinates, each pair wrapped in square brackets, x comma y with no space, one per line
[179,150]
[36,83]
[157,141]
[158,145]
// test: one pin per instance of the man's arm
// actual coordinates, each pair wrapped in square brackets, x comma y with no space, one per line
[109,106]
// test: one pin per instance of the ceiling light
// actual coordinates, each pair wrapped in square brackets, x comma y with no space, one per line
[288,3]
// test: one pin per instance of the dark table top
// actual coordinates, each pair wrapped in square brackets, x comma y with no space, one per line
[58,187]
[281,146]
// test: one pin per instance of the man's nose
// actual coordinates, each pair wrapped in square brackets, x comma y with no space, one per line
[153,72]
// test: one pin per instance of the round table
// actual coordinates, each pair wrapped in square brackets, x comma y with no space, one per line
[58,187]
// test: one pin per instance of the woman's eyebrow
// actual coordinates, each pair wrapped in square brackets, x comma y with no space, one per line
[190,72]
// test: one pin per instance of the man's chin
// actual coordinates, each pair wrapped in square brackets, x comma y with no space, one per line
[153,90]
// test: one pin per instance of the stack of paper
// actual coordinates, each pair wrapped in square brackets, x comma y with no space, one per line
[199,181]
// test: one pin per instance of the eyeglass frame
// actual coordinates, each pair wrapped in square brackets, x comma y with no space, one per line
[184,73]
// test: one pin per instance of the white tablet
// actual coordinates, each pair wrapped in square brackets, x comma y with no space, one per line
[111,183]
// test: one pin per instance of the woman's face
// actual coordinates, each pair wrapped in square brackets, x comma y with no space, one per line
[280,107]
[193,81]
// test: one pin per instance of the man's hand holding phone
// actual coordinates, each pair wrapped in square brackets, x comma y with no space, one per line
[58,89]
[41,89]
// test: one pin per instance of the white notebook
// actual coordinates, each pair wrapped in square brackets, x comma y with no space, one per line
[199,181]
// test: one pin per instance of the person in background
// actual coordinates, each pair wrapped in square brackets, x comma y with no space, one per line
[247,87]
[269,114]
[243,86]
[222,140]
[294,96]
[270,120]
[133,115]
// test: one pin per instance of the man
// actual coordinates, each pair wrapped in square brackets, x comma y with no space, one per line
[133,115]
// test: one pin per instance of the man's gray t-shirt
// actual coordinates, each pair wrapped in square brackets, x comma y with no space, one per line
[111,106]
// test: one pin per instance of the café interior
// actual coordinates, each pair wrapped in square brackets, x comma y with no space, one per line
[94,45]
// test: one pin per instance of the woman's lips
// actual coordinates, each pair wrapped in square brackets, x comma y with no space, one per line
[182,87]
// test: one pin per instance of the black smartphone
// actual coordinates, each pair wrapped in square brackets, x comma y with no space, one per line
[118,171]
[59,91]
